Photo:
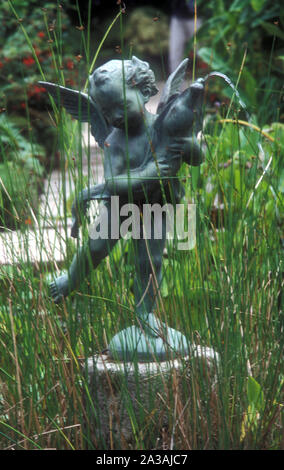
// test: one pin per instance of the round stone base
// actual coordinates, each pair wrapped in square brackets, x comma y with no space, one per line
[128,404]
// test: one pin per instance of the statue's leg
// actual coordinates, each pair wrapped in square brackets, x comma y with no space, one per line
[148,270]
[88,257]
[149,338]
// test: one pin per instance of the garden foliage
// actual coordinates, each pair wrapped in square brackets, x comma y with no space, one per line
[252,29]
[226,293]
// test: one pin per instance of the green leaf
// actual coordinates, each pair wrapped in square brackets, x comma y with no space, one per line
[164,288]
[255,394]
[34,165]
[237,5]
[257,5]
[281,182]
[209,56]
[195,174]
[250,86]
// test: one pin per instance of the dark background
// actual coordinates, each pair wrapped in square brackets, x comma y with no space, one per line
[105,8]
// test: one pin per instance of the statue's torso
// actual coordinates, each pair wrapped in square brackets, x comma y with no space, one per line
[126,152]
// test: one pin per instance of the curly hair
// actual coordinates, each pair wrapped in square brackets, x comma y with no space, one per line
[136,72]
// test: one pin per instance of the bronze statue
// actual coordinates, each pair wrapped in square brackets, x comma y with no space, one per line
[142,155]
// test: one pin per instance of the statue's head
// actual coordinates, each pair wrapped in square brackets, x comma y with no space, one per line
[120,86]
[134,73]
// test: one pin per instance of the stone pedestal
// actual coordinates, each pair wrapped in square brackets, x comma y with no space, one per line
[130,405]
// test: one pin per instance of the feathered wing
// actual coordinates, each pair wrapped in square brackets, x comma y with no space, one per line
[81,107]
[172,86]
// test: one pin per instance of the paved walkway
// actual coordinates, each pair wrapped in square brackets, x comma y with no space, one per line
[47,242]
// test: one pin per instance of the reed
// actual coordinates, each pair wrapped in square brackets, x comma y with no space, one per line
[225,293]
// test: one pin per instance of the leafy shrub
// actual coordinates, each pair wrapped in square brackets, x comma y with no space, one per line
[241,163]
[231,28]
[147,33]
[34,34]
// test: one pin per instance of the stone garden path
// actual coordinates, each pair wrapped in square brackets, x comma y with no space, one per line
[47,242]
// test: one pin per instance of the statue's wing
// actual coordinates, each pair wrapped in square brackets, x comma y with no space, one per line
[172,85]
[81,107]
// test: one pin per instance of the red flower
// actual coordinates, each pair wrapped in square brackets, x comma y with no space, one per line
[23,105]
[41,34]
[28,61]
[28,221]
[70,64]
[35,91]
[1,65]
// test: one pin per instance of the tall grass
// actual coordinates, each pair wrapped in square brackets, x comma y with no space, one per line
[225,293]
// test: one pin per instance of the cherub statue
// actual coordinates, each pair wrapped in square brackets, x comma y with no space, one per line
[142,155]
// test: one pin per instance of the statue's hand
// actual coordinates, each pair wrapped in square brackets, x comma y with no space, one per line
[179,145]
[188,148]
[165,167]
[158,168]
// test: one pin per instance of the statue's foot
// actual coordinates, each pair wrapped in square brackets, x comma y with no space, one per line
[58,289]
[151,326]
[151,340]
